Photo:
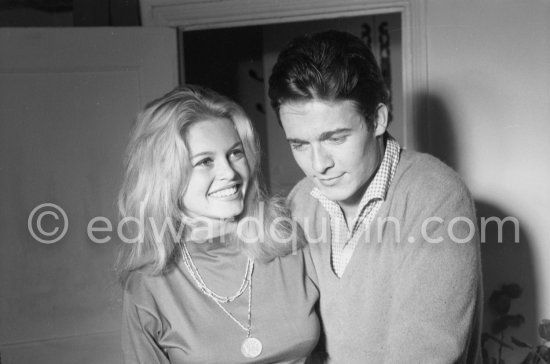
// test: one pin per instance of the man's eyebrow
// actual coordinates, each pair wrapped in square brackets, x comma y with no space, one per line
[324,136]
[296,141]
[329,134]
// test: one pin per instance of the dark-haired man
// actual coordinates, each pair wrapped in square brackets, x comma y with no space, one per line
[397,251]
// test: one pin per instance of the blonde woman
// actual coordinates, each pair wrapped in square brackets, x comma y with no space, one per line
[216,273]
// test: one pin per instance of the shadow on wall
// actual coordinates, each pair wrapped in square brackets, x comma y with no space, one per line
[506,252]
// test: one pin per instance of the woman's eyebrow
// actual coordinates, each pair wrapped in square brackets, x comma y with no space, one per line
[200,154]
[237,144]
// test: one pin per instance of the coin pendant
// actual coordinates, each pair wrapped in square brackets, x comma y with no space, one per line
[251,347]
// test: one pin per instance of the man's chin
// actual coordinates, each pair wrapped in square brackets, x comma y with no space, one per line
[333,193]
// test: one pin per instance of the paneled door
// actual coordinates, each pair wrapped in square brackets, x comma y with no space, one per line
[68,98]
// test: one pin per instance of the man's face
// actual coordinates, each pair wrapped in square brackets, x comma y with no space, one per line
[333,146]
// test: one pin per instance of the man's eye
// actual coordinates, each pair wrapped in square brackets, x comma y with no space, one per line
[337,140]
[297,146]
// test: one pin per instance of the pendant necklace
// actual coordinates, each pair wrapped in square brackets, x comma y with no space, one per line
[251,346]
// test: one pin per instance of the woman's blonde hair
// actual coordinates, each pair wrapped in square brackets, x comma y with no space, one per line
[157,173]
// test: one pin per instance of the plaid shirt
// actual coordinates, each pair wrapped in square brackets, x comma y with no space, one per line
[344,239]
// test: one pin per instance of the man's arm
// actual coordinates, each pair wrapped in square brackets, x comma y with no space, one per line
[436,307]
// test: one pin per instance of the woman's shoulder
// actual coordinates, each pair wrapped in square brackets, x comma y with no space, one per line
[300,193]
[293,269]
[290,264]
[140,285]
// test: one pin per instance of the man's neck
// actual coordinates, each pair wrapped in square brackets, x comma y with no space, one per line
[350,206]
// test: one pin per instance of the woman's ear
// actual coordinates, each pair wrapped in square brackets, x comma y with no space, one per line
[380,120]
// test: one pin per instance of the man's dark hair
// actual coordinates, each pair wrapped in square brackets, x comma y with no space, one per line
[328,66]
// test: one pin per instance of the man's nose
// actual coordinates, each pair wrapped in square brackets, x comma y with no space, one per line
[321,160]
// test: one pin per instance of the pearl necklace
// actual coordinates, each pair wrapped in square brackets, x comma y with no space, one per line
[251,347]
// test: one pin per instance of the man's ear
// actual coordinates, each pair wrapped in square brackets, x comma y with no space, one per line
[380,120]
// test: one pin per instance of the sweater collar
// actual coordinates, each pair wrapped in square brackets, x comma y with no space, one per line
[378,188]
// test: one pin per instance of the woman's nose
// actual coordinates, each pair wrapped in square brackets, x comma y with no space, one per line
[226,170]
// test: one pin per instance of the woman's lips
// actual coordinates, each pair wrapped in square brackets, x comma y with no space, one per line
[225,192]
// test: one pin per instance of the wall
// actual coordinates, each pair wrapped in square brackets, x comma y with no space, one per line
[24,17]
[69,13]
[489,117]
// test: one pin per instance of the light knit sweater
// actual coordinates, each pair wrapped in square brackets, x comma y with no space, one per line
[167,318]
[403,298]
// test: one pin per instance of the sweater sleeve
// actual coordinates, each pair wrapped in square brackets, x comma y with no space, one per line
[140,327]
[435,309]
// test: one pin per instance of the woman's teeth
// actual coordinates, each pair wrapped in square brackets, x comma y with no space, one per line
[225,192]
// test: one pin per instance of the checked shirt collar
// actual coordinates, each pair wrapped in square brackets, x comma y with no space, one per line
[345,239]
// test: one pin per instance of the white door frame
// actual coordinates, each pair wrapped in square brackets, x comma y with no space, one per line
[210,14]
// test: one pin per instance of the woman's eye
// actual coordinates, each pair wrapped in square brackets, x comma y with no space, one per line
[204,162]
[236,154]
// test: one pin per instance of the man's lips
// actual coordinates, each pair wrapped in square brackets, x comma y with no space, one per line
[329,181]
